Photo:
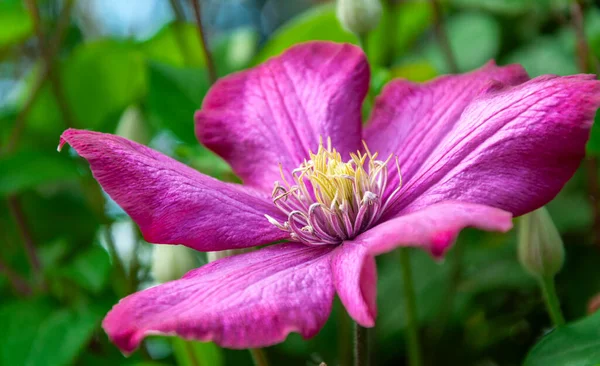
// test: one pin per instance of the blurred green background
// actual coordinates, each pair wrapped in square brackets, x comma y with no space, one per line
[136,68]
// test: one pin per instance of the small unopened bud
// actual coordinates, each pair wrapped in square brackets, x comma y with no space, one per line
[242,46]
[541,250]
[171,262]
[132,126]
[359,16]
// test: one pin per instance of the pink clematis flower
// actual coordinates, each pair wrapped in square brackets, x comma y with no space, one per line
[462,150]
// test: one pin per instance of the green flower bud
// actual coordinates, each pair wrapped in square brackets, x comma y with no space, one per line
[242,47]
[171,262]
[132,126]
[359,16]
[541,250]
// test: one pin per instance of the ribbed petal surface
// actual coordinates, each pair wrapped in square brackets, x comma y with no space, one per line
[249,300]
[276,112]
[171,202]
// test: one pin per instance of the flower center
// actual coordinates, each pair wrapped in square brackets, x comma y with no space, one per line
[331,200]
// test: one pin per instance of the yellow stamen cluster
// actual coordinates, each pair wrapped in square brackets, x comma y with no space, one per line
[332,200]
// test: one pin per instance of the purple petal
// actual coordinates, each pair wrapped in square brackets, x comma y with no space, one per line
[355,280]
[434,228]
[275,113]
[171,202]
[409,119]
[513,148]
[249,300]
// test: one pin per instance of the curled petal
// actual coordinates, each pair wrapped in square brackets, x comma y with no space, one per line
[513,148]
[410,119]
[249,300]
[355,280]
[171,202]
[276,112]
[433,228]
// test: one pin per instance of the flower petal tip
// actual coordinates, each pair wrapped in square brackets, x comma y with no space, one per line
[125,340]
[441,242]
[63,139]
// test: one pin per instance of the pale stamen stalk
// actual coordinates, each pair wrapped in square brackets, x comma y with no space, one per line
[333,200]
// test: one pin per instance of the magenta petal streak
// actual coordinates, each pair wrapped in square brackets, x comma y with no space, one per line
[249,300]
[276,112]
[513,147]
[171,202]
[485,137]
[433,228]
[355,279]
[410,119]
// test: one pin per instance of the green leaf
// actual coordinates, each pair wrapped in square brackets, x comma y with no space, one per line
[16,23]
[235,50]
[413,18]
[577,343]
[99,79]
[474,39]
[317,23]
[176,44]
[190,353]
[61,337]
[490,263]
[90,269]
[418,71]
[509,7]
[174,95]
[592,29]
[204,160]
[580,217]
[430,281]
[547,55]
[102,78]
[63,214]
[20,322]
[29,169]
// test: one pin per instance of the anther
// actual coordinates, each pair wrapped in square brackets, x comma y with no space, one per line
[350,195]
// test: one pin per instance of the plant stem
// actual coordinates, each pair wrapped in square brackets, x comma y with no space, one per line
[361,345]
[362,41]
[414,347]
[120,268]
[551,300]
[48,53]
[456,269]
[584,60]
[586,64]
[16,281]
[16,211]
[442,37]
[258,357]
[189,350]
[20,120]
[210,65]
[179,15]
[344,337]
[179,37]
